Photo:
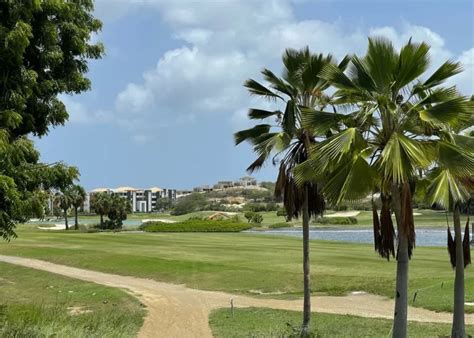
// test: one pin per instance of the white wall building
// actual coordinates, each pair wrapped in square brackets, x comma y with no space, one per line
[141,200]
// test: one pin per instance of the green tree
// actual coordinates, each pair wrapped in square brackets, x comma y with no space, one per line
[300,86]
[118,210]
[64,202]
[77,194]
[44,48]
[191,203]
[451,183]
[100,204]
[392,137]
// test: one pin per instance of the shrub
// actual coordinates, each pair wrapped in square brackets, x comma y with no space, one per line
[279,225]
[257,218]
[336,220]
[195,225]
[249,215]
[281,212]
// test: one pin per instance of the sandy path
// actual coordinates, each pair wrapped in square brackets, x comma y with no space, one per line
[178,311]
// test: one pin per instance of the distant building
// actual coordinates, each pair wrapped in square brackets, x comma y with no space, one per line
[141,200]
[224,184]
[203,188]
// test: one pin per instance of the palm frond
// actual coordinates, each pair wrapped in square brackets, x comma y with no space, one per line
[256,88]
[260,114]
[251,134]
[444,72]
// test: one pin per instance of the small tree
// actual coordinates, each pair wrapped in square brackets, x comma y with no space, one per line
[77,195]
[64,202]
[118,210]
[257,218]
[100,204]
[249,216]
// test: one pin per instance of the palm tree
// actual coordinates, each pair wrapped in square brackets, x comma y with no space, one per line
[64,202]
[77,195]
[399,114]
[451,184]
[100,203]
[299,87]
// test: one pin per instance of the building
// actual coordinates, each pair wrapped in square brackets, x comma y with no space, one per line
[141,200]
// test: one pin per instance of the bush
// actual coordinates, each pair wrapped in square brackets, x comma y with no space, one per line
[195,225]
[279,225]
[336,220]
[281,212]
[188,204]
[257,218]
[249,215]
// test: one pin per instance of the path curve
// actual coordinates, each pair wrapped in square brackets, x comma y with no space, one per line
[178,311]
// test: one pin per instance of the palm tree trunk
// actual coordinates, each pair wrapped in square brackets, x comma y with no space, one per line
[458,329]
[400,315]
[76,224]
[101,221]
[305,328]
[65,219]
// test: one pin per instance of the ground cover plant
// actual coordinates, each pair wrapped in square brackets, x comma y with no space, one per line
[197,225]
[258,322]
[239,263]
[40,304]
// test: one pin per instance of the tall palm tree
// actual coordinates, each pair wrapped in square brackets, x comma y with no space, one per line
[288,142]
[77,195]
[400,113]
[451,183]
[100,203]
[64,202]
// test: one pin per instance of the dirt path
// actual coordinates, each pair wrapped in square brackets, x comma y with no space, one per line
[178,311]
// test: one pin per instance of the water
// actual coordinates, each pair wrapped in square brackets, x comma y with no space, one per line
[87,221]
[424,237]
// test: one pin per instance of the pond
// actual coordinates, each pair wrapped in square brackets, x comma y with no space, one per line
[424,237]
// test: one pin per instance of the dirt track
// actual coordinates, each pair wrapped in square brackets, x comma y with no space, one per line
[178,311]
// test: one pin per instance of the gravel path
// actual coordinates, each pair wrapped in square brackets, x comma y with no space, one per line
[178,311]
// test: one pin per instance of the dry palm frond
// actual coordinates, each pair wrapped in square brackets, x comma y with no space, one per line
[466,244]
[408,225]
[451,248]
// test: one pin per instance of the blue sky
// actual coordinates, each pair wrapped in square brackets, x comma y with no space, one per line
[168,95]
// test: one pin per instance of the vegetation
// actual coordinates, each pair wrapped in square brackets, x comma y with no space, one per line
[257,322]
[114,206]
[196,225]
[279,225]
[300,86]
[253,217]
[242,262]
[382,145]
[336,220]
[32,78]
[77,195]
[39,304]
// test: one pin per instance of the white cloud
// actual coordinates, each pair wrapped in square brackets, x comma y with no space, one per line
[78,113]
[227,42]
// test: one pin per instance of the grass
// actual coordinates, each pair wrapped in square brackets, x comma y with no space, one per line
[257,322]
[240,263]
[40,304]
[427,219]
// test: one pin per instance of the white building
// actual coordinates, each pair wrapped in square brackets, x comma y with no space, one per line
[141,200]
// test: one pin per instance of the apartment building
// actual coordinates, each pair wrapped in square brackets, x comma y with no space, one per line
[141,200]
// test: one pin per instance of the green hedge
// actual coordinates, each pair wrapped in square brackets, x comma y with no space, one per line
[280,225]
[336,220]
[196,225]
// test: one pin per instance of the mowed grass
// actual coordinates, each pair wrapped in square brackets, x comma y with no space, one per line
[258,322]
[427,219]
[245,263]
[39,304]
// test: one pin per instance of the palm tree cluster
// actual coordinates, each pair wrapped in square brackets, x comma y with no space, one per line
[369,125]
[73,196]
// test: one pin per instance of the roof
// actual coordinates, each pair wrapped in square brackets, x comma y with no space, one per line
[155,189]
[100,190]
[125,189]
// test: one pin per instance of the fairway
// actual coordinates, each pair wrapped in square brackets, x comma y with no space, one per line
[242,263]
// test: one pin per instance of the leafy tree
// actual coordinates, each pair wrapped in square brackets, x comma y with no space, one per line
[100,204]
[44,48]
[249,215]
[391,137]
[300,86]
[163,204]
[257,218]
[118,210]
[64,202]
[191,203]
[77,194]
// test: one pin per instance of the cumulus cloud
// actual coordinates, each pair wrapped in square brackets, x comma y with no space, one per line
[226,42]
[78,113]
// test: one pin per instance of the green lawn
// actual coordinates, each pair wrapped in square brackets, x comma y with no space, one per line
[39,304]
[257,322]
[243,263]
[427,219]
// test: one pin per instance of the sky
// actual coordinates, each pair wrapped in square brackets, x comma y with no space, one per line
[168,95]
